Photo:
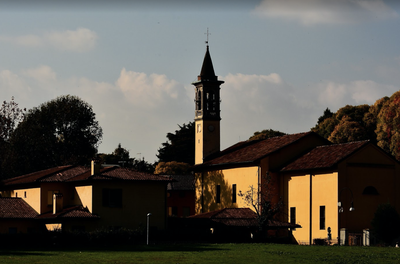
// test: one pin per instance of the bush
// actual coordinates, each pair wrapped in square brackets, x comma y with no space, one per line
[385,224]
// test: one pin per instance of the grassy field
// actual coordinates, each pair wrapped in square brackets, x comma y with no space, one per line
[207,253]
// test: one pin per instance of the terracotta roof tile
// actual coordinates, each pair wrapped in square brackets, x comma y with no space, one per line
[16,208]
[117,173]
[181,183]
[36,176]
[251,151]
[81,173]
[325,156]
[70,212]
[239,217]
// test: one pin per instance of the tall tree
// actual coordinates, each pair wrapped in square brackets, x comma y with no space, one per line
[180,145]
[348,124]
[10,116]
[59,132]
[388,126]
[266,133]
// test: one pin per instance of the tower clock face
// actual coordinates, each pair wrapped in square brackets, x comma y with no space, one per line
[211,128]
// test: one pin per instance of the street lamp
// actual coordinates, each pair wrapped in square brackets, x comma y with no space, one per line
[341,210]
[148,227]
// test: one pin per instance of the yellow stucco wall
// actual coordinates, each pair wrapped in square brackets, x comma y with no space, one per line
[139,198]
[29,195]
[307,204]
[206,141]
[84,196]
[368,167]
[206,183]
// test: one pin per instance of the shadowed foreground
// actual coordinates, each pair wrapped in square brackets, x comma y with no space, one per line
[206,253]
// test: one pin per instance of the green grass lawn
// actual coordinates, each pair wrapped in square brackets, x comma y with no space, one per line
[207,253]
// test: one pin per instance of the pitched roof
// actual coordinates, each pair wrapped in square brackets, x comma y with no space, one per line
[82,173]
[70,212]
[239,217]
[253,150]
[230,217]
[55,173]
[207,70]
[181,183]
[325,156]
[117,173]
[16,208]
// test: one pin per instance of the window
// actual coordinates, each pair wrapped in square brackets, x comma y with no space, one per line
[185,211]
[174,211]
[293,215]
[233,193]
[370,190]
[112,198]
[24,194]
[16,194]
[322,217]
[218,194]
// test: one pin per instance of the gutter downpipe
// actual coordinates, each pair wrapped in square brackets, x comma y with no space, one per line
[311,209]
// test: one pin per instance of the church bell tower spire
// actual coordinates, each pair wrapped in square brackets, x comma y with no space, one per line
[207,110]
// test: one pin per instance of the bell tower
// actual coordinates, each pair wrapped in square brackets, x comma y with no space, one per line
[207,111]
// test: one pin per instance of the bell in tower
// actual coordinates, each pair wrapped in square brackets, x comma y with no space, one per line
[207,110]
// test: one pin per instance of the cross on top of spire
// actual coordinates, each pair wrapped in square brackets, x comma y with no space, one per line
[207,36]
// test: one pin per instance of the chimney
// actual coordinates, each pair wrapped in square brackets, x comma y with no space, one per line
[57,202]
[95,167]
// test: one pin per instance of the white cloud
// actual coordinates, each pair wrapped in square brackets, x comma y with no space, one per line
[79,40]
[41,74]
[147,91]
[336,95]
[138,109]
[313,12]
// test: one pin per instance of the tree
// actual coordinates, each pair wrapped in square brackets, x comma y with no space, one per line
[180,145]
[172,168]
[121,157]
[386,223]
[260,198]
[349,123]
[10,116]
[266,133]
[388,126]
[59,132]
[347,131]
[327,114]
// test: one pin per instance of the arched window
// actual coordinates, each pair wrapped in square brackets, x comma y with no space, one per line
[370,190]
[199,100]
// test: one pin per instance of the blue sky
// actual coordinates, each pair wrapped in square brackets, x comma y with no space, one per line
[283,61]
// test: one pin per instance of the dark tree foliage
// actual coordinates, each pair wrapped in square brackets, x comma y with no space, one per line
[59,132]
[349,123]
[388,125]
[266,133]
[10,116]
[120,156]
[180,145]
[386,224]
[172,168]
[327,114]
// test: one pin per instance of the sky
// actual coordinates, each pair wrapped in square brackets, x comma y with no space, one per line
[283,61]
